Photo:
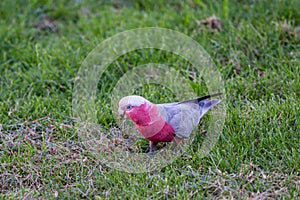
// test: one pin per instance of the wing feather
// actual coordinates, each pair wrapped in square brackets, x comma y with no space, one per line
[183,116]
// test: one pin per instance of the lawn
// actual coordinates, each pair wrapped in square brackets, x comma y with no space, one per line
[255,47]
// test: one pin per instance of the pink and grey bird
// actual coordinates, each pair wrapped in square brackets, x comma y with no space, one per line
[165,122]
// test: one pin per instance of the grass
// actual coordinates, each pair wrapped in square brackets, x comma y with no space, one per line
[257,52]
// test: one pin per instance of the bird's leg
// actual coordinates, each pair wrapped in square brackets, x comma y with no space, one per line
[177,140]
[176,144]
[152,147]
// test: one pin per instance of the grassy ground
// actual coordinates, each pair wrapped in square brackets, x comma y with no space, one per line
[257,52]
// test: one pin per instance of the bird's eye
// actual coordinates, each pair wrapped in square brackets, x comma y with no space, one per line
[128,107]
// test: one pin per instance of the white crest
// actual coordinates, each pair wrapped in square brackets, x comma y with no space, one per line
[133,100]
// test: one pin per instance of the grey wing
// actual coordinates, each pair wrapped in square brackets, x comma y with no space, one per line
[183,117]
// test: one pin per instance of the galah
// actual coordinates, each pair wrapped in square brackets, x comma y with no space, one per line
[165,122]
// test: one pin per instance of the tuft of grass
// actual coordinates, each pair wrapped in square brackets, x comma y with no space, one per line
[42,45]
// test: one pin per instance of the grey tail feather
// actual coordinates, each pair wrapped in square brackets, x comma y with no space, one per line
[209,96]
[202,98]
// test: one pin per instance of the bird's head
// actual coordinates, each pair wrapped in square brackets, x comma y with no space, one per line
[134,107]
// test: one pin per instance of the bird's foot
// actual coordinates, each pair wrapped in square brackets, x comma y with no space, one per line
[152,148]
[150,153]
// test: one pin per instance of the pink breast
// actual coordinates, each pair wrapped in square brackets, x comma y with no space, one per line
[150,123]
[150,130]
[166,134]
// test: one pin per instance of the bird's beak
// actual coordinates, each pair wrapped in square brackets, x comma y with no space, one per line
[121,113]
